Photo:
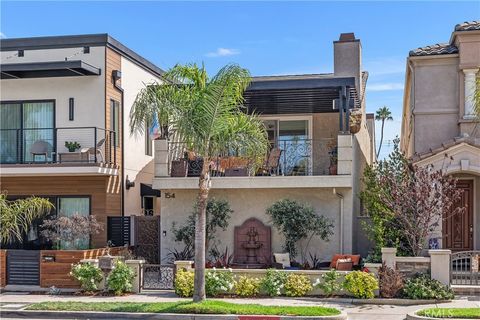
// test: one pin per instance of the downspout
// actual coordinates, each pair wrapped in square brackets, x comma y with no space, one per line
[117,75]
[340,197]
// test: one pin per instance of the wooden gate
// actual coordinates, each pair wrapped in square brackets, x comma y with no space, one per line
[23,267]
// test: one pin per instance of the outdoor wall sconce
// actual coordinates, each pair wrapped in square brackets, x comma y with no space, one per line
[129,184]
[164,232]
[169,195]
[48,258]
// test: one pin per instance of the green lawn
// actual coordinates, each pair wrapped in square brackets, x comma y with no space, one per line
[207,307]
[446,313]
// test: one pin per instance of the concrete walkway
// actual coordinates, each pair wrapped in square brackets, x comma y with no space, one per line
[15,301]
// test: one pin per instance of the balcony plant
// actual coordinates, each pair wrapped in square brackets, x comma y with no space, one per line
[72,146]
[333,154]
[207,114]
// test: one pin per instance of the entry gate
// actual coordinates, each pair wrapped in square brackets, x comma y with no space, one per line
[157,277]
[23,267]
[465,268]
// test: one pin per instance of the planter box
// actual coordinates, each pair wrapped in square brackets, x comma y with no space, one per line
[179,168]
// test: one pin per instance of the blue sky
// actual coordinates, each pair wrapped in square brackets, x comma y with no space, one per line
[265,37]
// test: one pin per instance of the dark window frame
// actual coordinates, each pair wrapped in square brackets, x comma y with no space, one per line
[115,121]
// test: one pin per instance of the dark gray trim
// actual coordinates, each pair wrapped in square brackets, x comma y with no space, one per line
[311,83]
[73,41]
[48,69]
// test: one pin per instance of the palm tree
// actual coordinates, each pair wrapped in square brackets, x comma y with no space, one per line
[205,114]
[17,216]
[383,114]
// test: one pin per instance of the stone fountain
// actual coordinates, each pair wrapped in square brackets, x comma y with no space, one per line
[252,245]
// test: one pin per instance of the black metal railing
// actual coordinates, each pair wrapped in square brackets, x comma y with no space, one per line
[465,268]
[47,145]
[298,157]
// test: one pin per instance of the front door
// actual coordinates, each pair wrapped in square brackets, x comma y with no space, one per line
[458,228]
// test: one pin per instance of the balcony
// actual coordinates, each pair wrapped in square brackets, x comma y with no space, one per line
[44,151]
[301,163]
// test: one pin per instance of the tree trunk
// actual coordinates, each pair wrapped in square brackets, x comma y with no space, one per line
[381,139]
[200,235]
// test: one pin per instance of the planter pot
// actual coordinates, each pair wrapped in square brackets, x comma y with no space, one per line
[355,121]
[333,169]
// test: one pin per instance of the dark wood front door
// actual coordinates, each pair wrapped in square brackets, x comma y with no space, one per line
[458,228]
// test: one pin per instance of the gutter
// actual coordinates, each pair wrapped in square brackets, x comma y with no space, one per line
[117,75]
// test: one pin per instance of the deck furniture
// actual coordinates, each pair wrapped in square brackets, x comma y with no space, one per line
[272,162]
[92,151]
[40,148]
[345,262]
[66,157]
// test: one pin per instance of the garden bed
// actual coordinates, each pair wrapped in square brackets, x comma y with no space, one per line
[206,307]
[446,313]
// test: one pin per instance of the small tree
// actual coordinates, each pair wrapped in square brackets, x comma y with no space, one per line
[298,221]
[70,230]
[218,215]
[18,216]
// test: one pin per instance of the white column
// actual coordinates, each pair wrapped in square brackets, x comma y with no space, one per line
[161,158]
[440,265]
[470,86]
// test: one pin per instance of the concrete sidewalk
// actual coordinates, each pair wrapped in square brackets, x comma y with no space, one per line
[15,301]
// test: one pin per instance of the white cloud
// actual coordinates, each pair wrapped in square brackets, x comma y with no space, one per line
[385,86]
[223,52]
[2,35]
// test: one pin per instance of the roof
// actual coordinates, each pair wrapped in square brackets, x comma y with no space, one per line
[48,69]
[446,145]
[445,48]
[72,41]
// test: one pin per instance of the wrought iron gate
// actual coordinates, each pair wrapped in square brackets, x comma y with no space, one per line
[147,238]
[465,268]
[157,277]
[23,267]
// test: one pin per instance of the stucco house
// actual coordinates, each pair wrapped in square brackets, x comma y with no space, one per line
[77,88]
[439,127]
[307,117]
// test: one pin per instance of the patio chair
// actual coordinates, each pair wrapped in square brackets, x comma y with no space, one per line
[40,148]
[272,162]
[345,262]
[94,150]
[281,260]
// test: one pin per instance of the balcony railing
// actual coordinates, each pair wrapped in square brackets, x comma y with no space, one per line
[47,145]
[298,157]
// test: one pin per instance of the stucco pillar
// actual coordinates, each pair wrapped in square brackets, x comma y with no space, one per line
[470,86]
[185,265]
[136,266]
[345,154]
[440,265]
[161,158]
[388,256]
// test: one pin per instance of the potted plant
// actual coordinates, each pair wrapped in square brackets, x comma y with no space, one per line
[72,146]
[355,120]
[333,160]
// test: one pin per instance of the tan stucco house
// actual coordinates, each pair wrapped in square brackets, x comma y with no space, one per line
[321,161]
[439,127]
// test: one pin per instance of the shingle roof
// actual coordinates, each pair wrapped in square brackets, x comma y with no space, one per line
[446,145]
[468,25]
[439,48]
[445,48]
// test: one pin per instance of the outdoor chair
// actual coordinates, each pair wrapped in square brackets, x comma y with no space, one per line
[272,162]
[40,148]
[345,262]
[94,150]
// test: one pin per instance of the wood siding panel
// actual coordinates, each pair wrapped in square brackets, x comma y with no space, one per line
[103,191]
[3,268]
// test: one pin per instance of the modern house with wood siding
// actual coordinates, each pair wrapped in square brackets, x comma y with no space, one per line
[440,128]
[77,89]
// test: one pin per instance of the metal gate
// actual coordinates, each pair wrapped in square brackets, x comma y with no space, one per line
[23,267]
[147,238]
[157,277]
[465,268]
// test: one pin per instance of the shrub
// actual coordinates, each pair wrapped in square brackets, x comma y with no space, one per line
[361,284]
[422,287]
[88,275]
[184,283]
[120,278]
[329,283]
[247,287]
[273,282]
[297,285]
[391,282]
[218,281]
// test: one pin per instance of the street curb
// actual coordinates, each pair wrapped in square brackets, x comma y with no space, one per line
[414,316]
[29,314]
[377,301]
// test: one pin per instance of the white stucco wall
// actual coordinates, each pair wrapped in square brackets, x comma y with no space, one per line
[138,165]
[88,91]
[248,203]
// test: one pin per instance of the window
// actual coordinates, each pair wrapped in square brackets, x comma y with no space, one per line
[67,207]
[115,120]
[148,141]
[147,203]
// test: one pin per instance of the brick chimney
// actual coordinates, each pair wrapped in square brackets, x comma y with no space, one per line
[347,57]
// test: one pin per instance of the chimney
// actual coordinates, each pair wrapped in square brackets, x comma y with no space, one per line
[347,56]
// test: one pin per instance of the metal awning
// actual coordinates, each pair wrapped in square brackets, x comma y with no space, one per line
[72,68]
[278,95]
[147,190]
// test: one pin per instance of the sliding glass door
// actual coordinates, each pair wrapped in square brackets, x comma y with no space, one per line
[22,124]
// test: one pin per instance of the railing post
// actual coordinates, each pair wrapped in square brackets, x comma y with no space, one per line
[95,143]
[55,153]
